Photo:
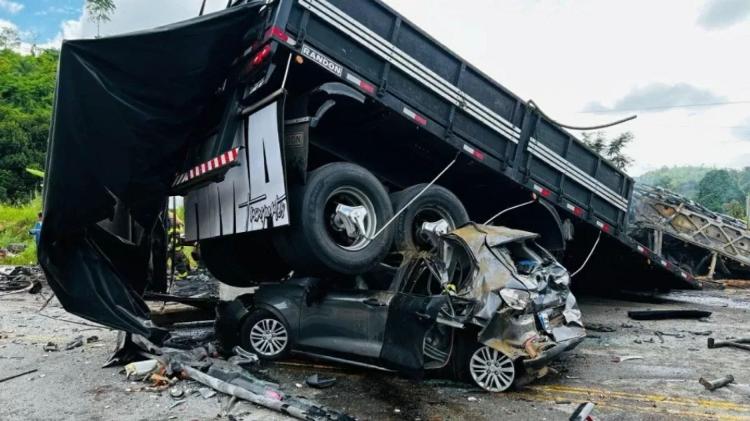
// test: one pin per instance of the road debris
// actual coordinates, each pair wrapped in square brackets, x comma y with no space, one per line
[50,347]
[176,403]
[624,358]
[717,383]
[583,412]
[5,379]
[18,279]
[207,393]
[320,381]
[741,343]
[597,327]
[92,339]
[668,314]
[141,369]
[75,343]
[176,392]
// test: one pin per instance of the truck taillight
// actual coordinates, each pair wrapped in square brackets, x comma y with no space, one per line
[261,56]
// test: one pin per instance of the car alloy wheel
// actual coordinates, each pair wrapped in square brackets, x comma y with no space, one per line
[492,370]
[268,337]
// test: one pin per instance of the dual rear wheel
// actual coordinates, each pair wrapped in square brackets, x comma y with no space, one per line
[337,226]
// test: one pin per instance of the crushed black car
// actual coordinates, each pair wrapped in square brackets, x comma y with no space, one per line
[487,304]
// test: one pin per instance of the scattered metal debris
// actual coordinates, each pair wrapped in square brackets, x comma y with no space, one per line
[668,314]
[207,393]
[51,347]
[141,369]
[741,343]
[597,327]
[624,358]
[176,392]
[75,343]
[176,403]
[320,381]
[5,379]
[18,279]
[717,383]
[583,412]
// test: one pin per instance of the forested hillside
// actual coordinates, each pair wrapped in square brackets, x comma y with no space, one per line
[27,84]
[719,189]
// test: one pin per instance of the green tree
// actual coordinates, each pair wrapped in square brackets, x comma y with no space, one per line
[9,38]
[717,190]
[26,90]
[612,149]
[100,11]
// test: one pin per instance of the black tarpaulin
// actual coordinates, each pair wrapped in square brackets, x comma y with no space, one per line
[126,109]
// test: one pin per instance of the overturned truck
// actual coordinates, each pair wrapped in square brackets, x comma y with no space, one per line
[319,138]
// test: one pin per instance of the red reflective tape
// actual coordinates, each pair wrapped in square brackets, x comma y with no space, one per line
[544,192]
[575,209]
[216,162]
[203,168]
[604,227]
[370,89]
[416,117]
[223,159]
[277,33]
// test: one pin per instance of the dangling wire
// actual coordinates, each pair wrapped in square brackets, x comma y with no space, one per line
[497,215]
[533,105]
[400,211]
[598,237]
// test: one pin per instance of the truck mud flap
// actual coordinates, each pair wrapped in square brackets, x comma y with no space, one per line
[126,110]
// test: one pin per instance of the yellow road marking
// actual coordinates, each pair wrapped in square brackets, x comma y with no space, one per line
[706,403]
[669,405]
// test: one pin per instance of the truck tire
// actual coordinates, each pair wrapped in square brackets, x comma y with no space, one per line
[317,241]
[434,204]
[243,260]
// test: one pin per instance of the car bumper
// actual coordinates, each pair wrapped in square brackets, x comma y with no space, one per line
[545,357]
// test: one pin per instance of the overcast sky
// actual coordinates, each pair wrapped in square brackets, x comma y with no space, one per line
[682,65]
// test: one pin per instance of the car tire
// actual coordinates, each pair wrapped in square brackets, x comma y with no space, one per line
[243,260]
[483,366]
[265,335]
[314,244]
[434,204]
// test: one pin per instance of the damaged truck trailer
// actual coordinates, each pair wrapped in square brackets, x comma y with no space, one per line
[313,137]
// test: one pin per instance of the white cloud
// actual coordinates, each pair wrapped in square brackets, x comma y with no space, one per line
[10,6]
[657,97]
[722,14]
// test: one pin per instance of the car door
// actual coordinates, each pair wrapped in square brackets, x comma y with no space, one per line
[348,322]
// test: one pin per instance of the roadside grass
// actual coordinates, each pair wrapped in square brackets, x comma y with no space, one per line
[15,223]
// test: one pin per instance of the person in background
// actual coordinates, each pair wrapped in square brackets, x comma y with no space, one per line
[36,230]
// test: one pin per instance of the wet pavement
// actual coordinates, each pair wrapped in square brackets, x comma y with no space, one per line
[663,385]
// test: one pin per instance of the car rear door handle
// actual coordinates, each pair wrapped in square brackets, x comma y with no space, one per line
[372,302]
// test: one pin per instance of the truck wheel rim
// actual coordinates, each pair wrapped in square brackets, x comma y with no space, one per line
[429,214]
[492,370]
[268,337]
[353,197]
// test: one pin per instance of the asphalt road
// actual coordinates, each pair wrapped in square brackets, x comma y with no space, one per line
[662,385]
